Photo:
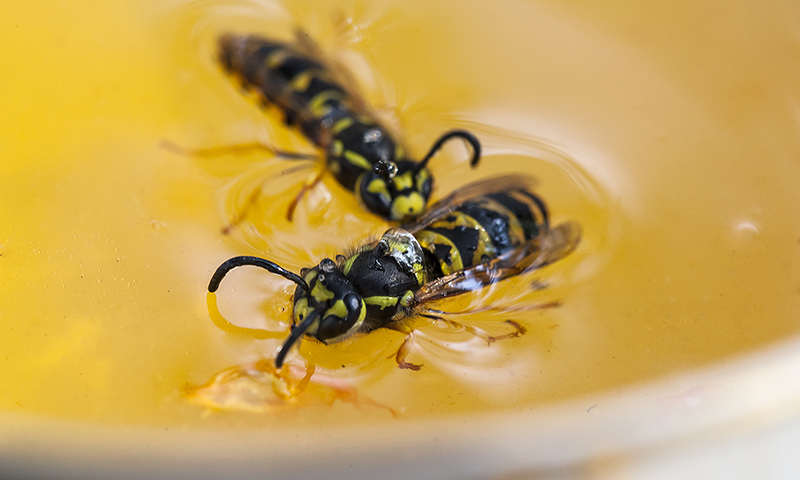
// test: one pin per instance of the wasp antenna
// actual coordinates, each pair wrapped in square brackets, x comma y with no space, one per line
[297,333]
[272,267]
[467,136]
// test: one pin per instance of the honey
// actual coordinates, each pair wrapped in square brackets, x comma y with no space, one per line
[677,155]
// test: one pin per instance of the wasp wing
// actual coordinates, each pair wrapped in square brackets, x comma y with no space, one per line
[555,243]
[443,207]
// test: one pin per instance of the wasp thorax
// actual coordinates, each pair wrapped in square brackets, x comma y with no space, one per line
[338,308]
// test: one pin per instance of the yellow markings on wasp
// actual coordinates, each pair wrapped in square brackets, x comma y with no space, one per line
[378,187]
[337,310]
[317,104]
[300,82]
[405,206]
[342,124]
[419,272]
[406,180]
[353,329]
[348,264]
[276,58]
[398,151]
[429,239]
[362,315]
[300,309]
[484,248]
[535,208]
[357,160]
[401,247]
[381,301]
[423,176]
[310,276]
[407,298]
[515,231]
[320,293]
[337,148]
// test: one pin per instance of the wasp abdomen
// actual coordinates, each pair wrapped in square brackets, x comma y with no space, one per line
[483,229]
[318,98]
[295,82]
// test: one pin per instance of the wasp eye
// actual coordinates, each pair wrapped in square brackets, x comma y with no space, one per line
[330,328]
[335,327]
[352,302]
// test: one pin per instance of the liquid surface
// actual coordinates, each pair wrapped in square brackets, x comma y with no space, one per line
[669,133]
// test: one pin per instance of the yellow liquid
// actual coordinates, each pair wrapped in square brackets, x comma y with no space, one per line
[668,133]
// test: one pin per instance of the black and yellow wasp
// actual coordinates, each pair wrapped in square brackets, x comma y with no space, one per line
[317,97]
[483,233]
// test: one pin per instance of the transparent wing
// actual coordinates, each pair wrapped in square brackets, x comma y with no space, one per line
[552,245]
[443,207]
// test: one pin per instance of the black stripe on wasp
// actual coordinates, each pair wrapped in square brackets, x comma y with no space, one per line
[317,95]
[483,233]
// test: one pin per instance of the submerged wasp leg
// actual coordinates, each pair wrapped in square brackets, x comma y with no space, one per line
[300,386]
[244,211]
[251,200]
[241,148]
[306,187]
[284,386]
[405,348]
[479,332]
[519,330]
[503,309]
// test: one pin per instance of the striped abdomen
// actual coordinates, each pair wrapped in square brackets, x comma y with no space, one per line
[309,95]
[301,86]
[481,230]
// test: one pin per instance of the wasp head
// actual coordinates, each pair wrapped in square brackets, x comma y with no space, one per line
[330,310]
[397,191]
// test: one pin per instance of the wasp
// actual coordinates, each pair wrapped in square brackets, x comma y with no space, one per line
[486,232]
[317,97]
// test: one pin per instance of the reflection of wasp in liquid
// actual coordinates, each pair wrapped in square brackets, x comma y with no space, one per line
[313,95]
[485,232]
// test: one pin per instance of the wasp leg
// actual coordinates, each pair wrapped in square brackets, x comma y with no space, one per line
[299,196]
[303,383]
[526,308]
[405,348]
[241,148]
[480,333]
[519,330]
[243,212]
[253,198]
